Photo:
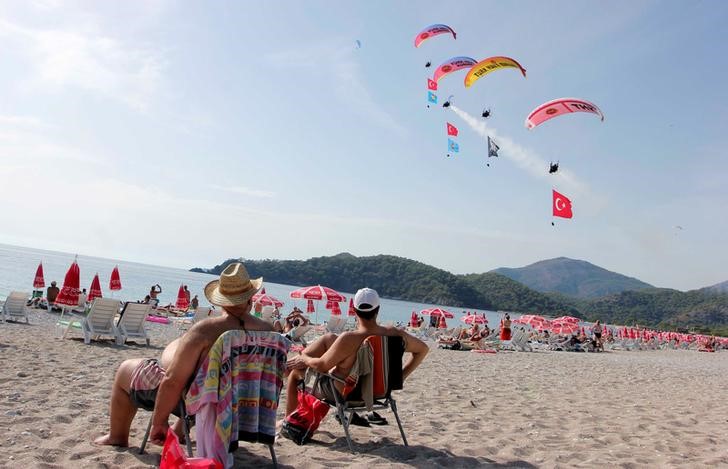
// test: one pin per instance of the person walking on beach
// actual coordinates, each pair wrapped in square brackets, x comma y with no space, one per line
[337,354]
[194,302]
[597,331]
[506,328]
[161,383]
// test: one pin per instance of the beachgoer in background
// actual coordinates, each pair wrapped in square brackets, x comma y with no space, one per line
[52,294]
[146,299]
[597,331]
[194,302]
[180,360]
[336,355]
[434,321]
[154,291]
[505,333]
[187,293]
[295,319]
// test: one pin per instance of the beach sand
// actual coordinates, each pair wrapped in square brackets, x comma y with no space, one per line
[459,409]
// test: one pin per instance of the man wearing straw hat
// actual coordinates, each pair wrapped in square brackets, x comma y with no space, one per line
[160,384]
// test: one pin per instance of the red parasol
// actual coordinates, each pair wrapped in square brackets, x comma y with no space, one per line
[267,300]
[318,292]
[535,321]
[472,318]
[442,324]
[94,290]
[309,307]
[564,328]
[182,302]
[352,312]
[437,312]
[70,290]
[567,319]
[335,310]
[414,320]
[115,281]
[39,281]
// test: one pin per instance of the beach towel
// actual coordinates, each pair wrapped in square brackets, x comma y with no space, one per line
[237,387]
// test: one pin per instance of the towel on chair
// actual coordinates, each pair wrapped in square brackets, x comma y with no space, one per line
[238,385]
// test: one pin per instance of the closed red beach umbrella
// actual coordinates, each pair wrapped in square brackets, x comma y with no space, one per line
[39,281]
[414,320]
[70,290]
[94,290]
[442,324]
[115,281]
[182,302]
[309,307]
[335,309]
[352,312]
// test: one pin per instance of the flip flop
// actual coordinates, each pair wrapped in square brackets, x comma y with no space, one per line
[356,419]
[376,419]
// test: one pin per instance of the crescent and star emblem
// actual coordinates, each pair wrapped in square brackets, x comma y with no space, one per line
[559,204]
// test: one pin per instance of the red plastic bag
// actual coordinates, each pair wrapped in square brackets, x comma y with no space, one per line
[173,456]
[303,422]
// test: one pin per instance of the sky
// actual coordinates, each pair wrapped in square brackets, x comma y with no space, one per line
[185,133]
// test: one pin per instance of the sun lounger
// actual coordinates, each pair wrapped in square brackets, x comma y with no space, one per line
[15,307]
[98,322]
[336,324]
[296,335]
[132,321]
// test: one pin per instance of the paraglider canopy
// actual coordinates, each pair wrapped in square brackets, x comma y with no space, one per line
[489,65]
[558,107]
[432,31]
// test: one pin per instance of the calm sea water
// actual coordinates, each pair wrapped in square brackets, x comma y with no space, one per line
[18,265]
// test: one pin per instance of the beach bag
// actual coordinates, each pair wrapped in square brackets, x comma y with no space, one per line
[173,456]
[301,424]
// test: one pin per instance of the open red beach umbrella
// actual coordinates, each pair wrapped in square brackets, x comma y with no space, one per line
[115,281]
[567,319]
[94,290]
[437,312]
[182,302]
[318,292]
[352,312]
[70,290]
[472,318]
[39,281]
[564,328]
[266,300]
[309,307]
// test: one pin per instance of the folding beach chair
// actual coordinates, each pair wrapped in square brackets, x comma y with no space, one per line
[99,320]
[131,323]
[296,335]
[336,324]
[235,393]
[386,376]
[15,306]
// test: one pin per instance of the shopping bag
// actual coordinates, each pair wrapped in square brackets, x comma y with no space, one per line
[173,456]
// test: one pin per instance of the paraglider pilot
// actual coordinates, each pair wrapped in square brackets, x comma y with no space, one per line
[553,167]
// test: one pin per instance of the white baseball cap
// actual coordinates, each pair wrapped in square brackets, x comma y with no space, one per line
[368,297]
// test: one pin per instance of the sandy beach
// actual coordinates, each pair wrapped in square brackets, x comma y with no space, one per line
[460,409]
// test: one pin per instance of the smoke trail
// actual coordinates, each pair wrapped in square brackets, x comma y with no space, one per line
[524,158]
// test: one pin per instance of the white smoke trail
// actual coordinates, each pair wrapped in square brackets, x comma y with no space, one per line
[524,158]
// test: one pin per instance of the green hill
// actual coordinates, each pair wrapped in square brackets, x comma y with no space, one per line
[572,277]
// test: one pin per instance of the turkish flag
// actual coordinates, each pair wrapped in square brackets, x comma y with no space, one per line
[431,85]
[452,130]
[562,205]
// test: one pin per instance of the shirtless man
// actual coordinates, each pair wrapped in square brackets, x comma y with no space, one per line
[337,354]
[135,384]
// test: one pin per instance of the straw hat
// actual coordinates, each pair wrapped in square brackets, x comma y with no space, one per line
[235,287]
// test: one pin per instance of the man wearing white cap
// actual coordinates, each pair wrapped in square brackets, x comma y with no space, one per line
[336,355]
[160,383]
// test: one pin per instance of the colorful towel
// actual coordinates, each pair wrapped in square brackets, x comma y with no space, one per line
[242,377]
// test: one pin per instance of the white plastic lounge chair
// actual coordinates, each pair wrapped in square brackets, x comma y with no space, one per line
[296,334]
[98,322]
[336,324]
[132,322]
[184,323]
[15,306]
[266,314]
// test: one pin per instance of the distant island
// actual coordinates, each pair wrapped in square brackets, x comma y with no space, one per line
[551,287]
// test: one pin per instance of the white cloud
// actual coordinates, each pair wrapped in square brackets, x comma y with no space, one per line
[244,191]
[85,59]
[344,73]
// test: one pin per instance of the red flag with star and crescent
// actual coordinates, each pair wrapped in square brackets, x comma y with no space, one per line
[562,205]
[431,84]
[452,130]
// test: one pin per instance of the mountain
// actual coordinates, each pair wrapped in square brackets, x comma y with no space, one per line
[717,288]
[572,277]
[405,279]
[399,278]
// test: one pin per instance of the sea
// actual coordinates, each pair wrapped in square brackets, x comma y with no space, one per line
[18,266]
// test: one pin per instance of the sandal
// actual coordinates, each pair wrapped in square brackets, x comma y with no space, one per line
[376,419]
[356,419]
